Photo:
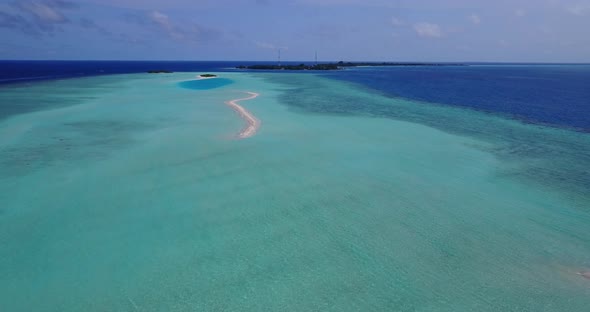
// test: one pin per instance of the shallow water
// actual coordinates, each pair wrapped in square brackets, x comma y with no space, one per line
[139,197]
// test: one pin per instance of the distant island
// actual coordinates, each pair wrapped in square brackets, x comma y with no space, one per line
[339,65]
[292,67]
[159,71]
[207,76]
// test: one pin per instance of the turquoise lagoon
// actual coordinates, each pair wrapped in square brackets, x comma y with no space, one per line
[134,195]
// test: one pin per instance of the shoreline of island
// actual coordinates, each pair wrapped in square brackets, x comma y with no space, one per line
[206,76]
[342,65]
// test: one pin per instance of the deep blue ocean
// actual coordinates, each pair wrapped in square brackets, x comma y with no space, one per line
[555,95]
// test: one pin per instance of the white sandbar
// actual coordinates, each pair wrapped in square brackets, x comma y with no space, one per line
[252,122]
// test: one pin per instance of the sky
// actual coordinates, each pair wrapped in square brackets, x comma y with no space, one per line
[347,30]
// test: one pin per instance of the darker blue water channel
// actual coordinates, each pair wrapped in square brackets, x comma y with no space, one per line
[205,84]
[557,95]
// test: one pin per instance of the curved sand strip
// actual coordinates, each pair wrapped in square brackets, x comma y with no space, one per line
[252,123]
[585,274]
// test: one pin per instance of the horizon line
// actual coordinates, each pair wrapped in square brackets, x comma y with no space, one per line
[299,61]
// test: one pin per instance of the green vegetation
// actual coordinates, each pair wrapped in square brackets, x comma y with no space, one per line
[292,67]
[339,65]
[207,76]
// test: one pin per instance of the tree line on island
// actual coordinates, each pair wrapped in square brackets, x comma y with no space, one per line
[291,67]
[323,66]
[163,71]
[338,65]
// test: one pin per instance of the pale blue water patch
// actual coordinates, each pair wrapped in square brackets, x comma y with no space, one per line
[205,84]
[158,208]
[93,126]
[18,99]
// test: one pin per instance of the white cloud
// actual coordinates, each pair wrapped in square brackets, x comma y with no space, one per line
[579,9]
[181,32]
[475,19]
[39,16]
[161,19]
[428,30]
[386,3]
[397,22]
[266,45]
[43,12]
